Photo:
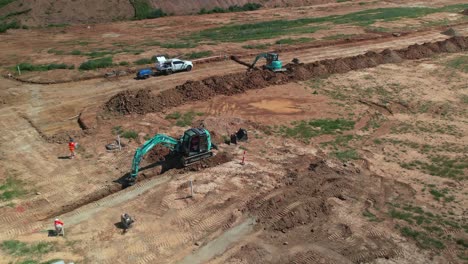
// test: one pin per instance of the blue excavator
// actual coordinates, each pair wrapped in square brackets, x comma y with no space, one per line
[193,146]
[273,63]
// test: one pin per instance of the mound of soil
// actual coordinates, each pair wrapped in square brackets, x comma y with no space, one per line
[304,206]
[450,32]
[144,101]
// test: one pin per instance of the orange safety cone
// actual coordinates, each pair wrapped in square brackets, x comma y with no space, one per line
[243,159]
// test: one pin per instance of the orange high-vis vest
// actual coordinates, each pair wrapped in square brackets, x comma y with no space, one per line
[71,145]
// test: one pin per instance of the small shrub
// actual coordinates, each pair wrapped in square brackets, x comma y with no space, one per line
[143,10]
[130,134]
[5,2]
[12,188]
[175,115]
[232,8]
[124,63]
[459,63]
[117,130]
[96,64]
[4,26]
[75,52]
[42,67]
[346,155]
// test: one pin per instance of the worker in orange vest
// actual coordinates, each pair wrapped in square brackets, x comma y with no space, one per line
[72,145]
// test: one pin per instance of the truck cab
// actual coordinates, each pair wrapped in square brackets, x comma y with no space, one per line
[172,65]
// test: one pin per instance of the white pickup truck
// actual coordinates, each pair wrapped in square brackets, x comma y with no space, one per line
[172,65]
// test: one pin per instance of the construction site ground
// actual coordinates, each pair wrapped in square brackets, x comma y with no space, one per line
[347,165]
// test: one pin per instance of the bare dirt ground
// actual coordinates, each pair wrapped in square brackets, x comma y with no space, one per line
[379,178]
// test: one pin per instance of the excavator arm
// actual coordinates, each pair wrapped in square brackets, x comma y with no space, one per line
[162,139]
[259,56]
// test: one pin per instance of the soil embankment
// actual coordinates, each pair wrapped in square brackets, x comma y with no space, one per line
[145,101]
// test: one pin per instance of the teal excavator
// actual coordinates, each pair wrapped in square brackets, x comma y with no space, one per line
[193,146]
[273,62]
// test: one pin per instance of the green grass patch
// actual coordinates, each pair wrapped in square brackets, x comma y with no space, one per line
[97,64]
[342,1]
[422,238]
[278,28]
[402,215]
[143,10]
[230,9]
[4,26]
[339,36]
[307,129]
[58,25]
[185,119]
[339,141]
[178,45]
[290,41]
[175,115]
[11,189]
[18,248]
[76,52]
[459,63]
[24,67]
[261,30]
[345,155]
[124,63]
[130,134]
[17,13]
[257,46]
[200,54]
[462,242]
[370,216]
[5,2]
[441,166]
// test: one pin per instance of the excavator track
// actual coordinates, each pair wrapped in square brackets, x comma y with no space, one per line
[187,161]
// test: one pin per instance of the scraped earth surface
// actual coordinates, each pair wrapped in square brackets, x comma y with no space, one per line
[389,188]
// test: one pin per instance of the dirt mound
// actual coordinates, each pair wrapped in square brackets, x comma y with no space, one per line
[390,56]
[144,101]
[450,32]
[303,211]
[415,52]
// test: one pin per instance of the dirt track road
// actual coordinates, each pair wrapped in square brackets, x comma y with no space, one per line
[51,106]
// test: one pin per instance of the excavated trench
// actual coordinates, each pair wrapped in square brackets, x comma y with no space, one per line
[145,101]
[153,157]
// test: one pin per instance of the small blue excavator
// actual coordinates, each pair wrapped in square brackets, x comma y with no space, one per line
[193,146]
[272,62]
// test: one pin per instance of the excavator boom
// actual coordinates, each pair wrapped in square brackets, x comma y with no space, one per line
[162,139]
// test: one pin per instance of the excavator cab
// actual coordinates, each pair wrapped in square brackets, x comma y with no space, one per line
[195,141]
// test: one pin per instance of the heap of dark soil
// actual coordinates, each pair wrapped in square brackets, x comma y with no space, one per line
[302,212]
[145,101]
